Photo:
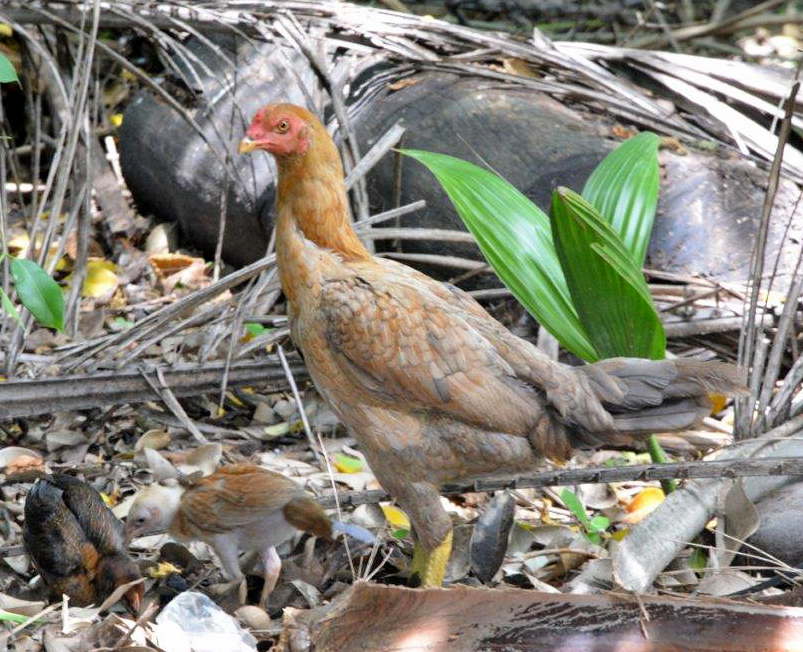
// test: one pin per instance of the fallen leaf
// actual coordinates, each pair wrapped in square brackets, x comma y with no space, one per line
[56,440]
[163,569]
[205,459]
[160,241]
[156,439]
[396,517]
[10,454]
[644,502]
[192,277]
[403,83]
[348,464]
[101,279]
[718,402]
[166,264]
[519,67]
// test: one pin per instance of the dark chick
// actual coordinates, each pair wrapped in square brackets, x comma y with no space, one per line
[76,543]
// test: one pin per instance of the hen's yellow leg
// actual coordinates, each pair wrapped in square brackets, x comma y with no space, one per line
[428,568]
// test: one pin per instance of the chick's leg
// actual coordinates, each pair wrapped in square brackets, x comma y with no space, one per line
[273,566]
[433,532]
[226,549]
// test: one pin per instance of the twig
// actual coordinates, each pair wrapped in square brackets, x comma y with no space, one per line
[695,31]
[5,636]
[748,338]
[389,215]
[163,315]
[388,140]
[315,450]
[21,398]
[768,466]
[163,391]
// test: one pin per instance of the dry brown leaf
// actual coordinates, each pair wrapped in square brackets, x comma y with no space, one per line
[25,463]
[192,277]
[623,132]
[166,264]
[403,83]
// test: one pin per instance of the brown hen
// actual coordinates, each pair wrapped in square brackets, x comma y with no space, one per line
[433,388]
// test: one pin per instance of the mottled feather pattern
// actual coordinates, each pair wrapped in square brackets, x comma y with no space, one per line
[235,496]
[431,386]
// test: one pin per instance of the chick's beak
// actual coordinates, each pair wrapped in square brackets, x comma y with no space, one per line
[247,145]
[134,602]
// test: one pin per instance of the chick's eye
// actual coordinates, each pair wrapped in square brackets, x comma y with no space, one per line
[283,126]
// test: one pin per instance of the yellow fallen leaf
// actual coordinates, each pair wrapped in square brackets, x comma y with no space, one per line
[348,464]
[648,497]
[116,119]
[519,67]
[644,502]
[618,535]
[163,569]
[235,400]
[107,499]
[18,244]
[100,278]
[396,517]
[5,30]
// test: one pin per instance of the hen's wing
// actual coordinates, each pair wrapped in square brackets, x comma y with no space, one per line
[403,336]
[403,344]
[234,496]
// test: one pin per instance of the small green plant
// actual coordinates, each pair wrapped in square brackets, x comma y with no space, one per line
[577,271]
[593,528]
[36,290]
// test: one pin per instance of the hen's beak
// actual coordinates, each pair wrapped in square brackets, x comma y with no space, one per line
[247,145]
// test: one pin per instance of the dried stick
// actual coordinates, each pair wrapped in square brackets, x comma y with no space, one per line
[768,466]
[748,338]
[162,390]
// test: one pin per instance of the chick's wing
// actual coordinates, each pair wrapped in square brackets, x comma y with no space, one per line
[235,496]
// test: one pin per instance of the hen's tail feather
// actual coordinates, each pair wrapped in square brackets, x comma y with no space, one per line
[649,396]
[650,383]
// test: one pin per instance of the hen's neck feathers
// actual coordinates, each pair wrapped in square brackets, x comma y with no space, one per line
[312,193]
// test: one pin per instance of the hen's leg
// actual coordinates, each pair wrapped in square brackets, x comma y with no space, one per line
[433,532]
[273,565]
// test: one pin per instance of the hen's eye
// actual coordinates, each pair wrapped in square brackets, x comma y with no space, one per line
[283,126]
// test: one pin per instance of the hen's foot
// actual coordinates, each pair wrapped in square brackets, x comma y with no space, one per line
[428,568]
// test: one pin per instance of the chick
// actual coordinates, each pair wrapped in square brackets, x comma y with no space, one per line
[76,543]
[240,507]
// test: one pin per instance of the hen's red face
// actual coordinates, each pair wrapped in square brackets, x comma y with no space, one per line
[277,131]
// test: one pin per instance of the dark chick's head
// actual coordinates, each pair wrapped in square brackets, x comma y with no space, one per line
[116,570]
